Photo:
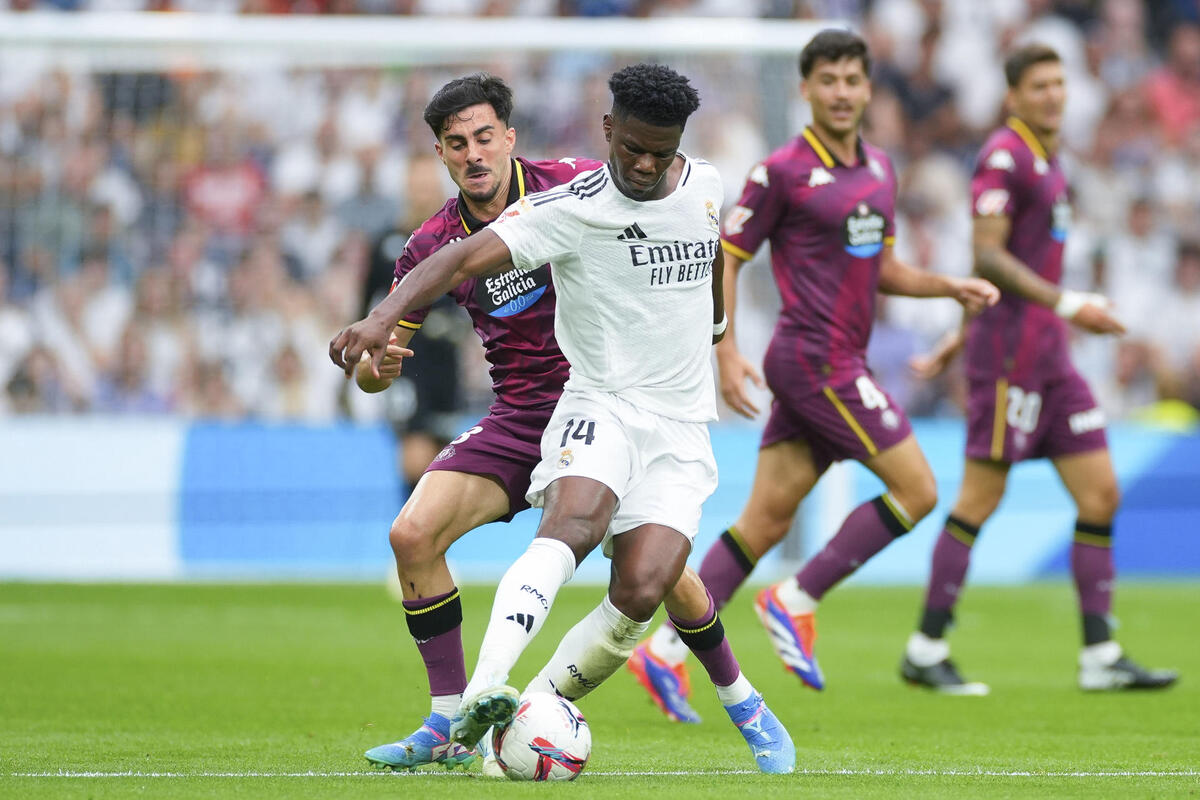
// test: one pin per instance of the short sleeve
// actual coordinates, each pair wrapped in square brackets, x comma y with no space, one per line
[994,183]
[539,228]
[752,220]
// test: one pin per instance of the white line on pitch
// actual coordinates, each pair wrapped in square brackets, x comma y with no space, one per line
[956,773]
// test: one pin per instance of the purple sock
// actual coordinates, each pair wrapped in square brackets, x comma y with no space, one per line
[869,528]
[1092,567]
[951,557]
[436,626]
[705,637]
[726,566]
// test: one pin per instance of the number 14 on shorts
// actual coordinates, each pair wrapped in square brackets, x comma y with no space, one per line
[581,429]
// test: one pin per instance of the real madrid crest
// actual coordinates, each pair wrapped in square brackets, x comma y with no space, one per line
[711,210]
[565,458]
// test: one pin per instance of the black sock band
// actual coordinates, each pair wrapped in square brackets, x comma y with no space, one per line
[934,622]
[1095,535]
[734,544]
[891,518]
[961,530]
[1095,629]
[705,637]
[439,615]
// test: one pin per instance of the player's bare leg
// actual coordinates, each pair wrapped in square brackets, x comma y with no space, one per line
[648,568]
[1090,479]
[784,475]
[927,655]
[435,517]
[787,609]
[576,516]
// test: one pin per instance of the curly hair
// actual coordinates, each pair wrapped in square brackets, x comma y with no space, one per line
[465,92]
[654,94]
[833,44]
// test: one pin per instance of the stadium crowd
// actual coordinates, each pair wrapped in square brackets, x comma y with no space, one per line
[186,242]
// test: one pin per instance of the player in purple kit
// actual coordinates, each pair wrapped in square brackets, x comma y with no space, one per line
[825,201]
[482,475]
[1026,400]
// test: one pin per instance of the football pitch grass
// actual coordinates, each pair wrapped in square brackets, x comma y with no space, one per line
[264,691]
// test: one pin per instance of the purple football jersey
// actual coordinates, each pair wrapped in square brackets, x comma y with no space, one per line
[513,312]
[1016,178]
[827,224]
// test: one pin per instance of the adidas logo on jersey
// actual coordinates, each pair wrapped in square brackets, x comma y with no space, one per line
[634,231]
[819,177]
[524,620]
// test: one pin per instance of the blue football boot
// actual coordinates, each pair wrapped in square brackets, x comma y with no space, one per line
[428,744]
[768,739]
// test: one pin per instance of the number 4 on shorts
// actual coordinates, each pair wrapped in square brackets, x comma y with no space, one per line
[585,430]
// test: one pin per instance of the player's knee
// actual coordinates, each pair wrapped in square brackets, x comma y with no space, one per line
[1099,504]
[411,542]
[638,600]
[919,498]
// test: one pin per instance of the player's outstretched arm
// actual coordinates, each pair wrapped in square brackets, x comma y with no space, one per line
[732,367]
[994,262]
[481,254]
[393,362]
[896,277]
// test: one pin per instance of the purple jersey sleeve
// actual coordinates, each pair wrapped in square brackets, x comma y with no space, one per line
[1015,178]
[513,312]
[758,211]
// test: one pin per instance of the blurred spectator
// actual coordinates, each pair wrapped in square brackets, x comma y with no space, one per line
[126,387]
[221,222]
[1174,88]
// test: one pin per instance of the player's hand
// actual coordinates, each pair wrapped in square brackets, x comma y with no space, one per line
[927,366]
[735,370]
[1096,319]
[975,294]
[369,335]
[1089,311]
[389,369]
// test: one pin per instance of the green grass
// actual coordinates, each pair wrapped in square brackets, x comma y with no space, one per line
[213,680]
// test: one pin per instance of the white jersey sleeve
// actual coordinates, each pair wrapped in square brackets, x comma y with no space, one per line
[539,230]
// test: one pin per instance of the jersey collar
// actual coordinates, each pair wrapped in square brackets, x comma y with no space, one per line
[827,158]
[1018,126]
[516,190]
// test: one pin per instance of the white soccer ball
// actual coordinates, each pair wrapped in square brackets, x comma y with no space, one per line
[548,740]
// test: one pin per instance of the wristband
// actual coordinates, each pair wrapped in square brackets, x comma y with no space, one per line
[719,327]
[1070,302]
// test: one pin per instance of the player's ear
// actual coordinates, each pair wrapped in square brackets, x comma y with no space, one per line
[608,126]
[804,90]
[437,148]
[510,139]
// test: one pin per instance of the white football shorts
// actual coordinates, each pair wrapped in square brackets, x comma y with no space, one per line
[661,469]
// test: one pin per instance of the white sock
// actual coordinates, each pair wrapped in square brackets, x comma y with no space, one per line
[446,704]
[1098,656]
[590,652]
[523,601]
[925,652]
[737,692]
[667,646]
[795,599]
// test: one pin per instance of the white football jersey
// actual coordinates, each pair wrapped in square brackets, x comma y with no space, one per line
[634,284]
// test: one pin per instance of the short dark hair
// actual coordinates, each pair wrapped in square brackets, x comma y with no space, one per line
[654,94]
[465,92]
[834,44]
[1025,57]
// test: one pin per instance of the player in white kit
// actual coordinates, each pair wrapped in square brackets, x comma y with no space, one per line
[626,457]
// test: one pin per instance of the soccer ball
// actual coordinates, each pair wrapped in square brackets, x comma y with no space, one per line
[548,740]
